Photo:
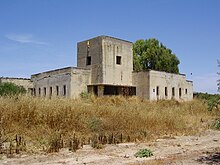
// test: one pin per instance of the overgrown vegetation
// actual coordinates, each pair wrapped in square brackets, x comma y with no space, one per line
[11,89]
[48,124]
[216,124]
[212,100]
[143,153]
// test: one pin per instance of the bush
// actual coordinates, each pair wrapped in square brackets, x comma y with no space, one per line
[11,89]
[216,124]
[143,153]
[212,100]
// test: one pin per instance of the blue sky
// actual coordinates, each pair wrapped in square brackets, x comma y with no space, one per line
[40,35]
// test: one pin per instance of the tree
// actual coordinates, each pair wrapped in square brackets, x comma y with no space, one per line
[10,89]
[218,81]
[151,54]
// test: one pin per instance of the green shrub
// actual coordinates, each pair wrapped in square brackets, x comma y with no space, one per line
[84,95]
[212,100]
[216,124]
[95,124]
[143,153]
[11,89]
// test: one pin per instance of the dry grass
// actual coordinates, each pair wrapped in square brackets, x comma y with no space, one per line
[38,120]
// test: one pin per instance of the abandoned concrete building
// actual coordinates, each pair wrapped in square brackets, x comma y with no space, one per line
[105,67]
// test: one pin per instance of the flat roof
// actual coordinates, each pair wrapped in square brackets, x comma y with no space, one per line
[181,74]
[54,70]
[111,85]
[105,36]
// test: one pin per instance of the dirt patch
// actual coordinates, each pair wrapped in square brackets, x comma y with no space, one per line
[203,148]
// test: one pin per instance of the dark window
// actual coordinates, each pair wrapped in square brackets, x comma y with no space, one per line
[64,90]
[118,60]
[166,94]
[57,90]
[45,91]
[180,92]
[173,91]
[34,92]
[39,91]
[88,60]
[186,91]
[51,90]
[157,90]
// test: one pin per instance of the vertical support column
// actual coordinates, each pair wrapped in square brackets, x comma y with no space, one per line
[100,90]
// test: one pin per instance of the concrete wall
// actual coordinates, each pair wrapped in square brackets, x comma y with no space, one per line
[66,82]
[91,48]
[142,83]
[103,51]
[80,78]
[162,85]
[113,73]
[170,81]
[26,83]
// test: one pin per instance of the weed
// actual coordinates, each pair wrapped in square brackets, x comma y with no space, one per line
[143,153]
[84,95]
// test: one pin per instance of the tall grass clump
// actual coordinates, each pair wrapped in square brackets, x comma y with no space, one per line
[38,119]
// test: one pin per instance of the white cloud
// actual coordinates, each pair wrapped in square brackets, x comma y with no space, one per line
[24,38]
[206,83]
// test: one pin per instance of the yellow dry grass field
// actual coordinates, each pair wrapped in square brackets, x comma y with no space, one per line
[39,121]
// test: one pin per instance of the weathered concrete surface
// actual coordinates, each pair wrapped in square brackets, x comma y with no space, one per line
[104,52]
[65,82]
[142,83]
[155,85]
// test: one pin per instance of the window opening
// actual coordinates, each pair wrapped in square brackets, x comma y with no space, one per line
[45,91]
[157,90]
[88,60]
[51,90]
[180,92]
[64,90]
[173,91]
[57,90]
[166,94]
[39,91]
[118,60]
[34,92]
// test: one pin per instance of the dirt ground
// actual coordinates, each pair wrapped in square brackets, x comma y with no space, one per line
[203,148]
